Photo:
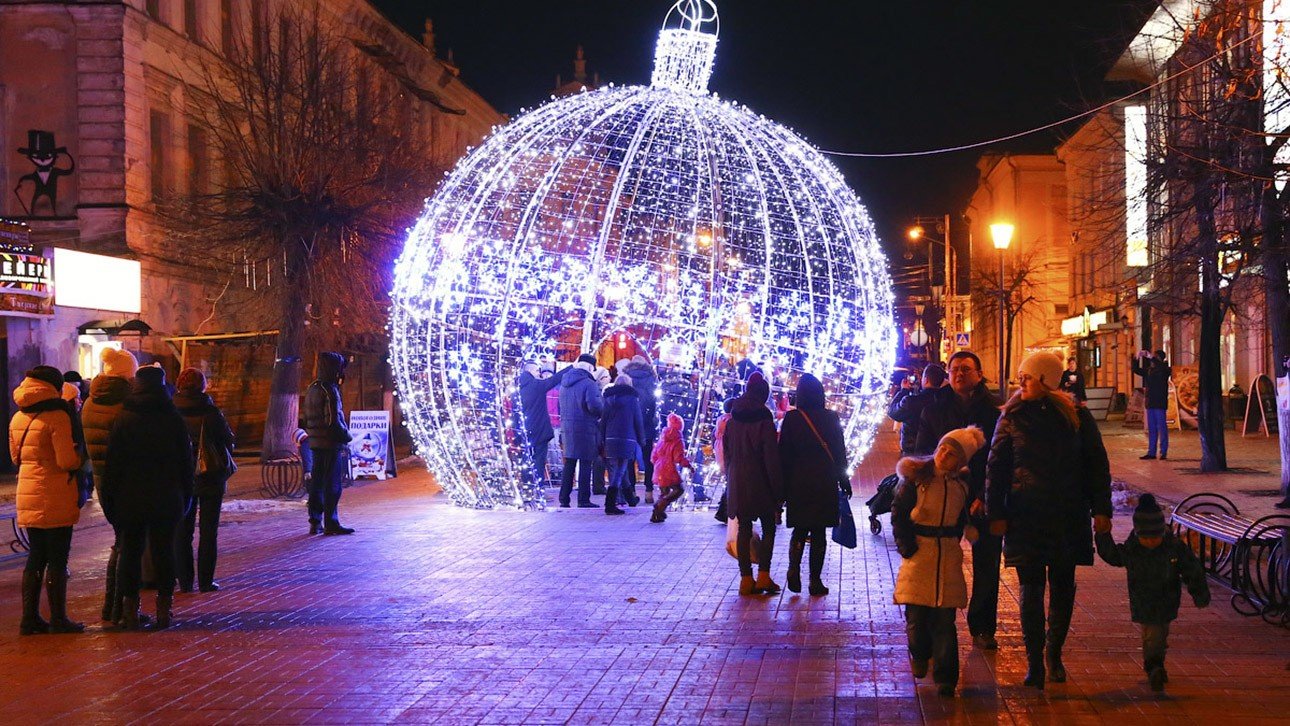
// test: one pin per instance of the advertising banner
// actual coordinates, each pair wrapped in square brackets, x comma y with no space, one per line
[369,451]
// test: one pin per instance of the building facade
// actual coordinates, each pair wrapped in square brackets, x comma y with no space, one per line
[108,89]
[1027,191]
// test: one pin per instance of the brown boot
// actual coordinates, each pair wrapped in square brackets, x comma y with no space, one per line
[764,584]
[56,586]
[746,586]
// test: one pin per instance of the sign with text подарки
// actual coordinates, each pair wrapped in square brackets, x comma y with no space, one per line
[370,453]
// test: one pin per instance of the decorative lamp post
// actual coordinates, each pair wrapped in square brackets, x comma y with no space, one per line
[1001,233]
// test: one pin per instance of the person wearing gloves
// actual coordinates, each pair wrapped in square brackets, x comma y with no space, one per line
[329,439]
[147,489]
[928,518]
[1047,473]
[107,394]
[755,481]
[1158,565]
[43,445]
[813,452]
[622,429]
[580,408]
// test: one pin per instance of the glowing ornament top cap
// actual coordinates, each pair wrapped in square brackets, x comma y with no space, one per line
[687,47]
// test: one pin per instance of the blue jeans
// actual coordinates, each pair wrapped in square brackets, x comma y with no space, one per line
[1157,430]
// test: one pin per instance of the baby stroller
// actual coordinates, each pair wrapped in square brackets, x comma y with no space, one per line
[880,502]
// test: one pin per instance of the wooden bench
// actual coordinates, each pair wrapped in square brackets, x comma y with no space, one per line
[1250,556]
[18,545]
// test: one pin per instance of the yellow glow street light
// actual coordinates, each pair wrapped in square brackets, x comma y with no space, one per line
[915,233]
[1001,233]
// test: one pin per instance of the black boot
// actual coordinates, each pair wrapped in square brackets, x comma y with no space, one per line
[164,602]
[333,527]
[794,578]
[611,501]
[1053,659]
[56,586]
[1035,671]
[32,623]
[130,617]
[111,606]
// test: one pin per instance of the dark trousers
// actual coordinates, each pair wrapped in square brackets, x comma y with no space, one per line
[819,541]
[983,608]
[599,473]
[208,536]
[618,477]
[1157,432]
[932,636]
[1060,580]
[1155,641]
[584,467]
[325,485]
[159,538]
[540,450]
[49,549]
[743,544]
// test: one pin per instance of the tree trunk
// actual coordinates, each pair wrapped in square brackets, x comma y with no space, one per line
[284,392]
[1276,273]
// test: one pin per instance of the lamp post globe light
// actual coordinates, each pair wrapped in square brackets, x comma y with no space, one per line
[1001,234]
[690,224]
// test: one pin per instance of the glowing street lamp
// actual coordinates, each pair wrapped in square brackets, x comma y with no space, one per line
[1001,233]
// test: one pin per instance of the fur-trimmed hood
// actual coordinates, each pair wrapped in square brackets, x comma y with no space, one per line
[921,468]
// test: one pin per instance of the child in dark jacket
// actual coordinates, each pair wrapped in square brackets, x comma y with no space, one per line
[1157,565]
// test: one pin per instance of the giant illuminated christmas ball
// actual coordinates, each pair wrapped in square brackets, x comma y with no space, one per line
[654,220]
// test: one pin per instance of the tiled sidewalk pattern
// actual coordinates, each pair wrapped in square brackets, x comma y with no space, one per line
[433,614]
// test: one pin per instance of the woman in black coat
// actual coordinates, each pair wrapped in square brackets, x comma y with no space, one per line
[208,431]
[755,481]
[622,429]
[813,453]
[147,489]
[1046,475]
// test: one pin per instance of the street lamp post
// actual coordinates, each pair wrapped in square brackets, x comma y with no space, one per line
[1001,233]
[917,233]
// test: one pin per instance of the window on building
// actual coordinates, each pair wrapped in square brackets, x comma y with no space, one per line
[191,25]
[226,26]
[159,130]
[199,158]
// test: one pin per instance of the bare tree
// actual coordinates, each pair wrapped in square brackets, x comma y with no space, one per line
[321,168]
[1016,292]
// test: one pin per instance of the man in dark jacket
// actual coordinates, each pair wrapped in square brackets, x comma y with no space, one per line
[1155,372]
[580,409]
[213,439]
[646,384]
[908,404]
[329,439]
[147,488]
[1073,380]
[967,402]
[622,428]
[536,418]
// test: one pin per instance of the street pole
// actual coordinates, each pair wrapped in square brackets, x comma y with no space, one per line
[1003,372]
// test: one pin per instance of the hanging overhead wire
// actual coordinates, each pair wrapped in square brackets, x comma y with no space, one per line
[1045,127]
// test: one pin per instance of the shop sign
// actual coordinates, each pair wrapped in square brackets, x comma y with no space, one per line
[14,235]
[97,282]
[25,305]
[1081,325]
[369,449]
[24,274]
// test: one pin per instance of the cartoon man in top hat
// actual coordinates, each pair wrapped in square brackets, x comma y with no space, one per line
[41,151]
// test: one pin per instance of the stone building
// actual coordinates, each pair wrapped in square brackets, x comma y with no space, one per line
[107,88]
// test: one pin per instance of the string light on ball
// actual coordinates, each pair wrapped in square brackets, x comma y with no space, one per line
[702,231]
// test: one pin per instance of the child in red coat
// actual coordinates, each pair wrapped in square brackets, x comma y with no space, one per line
[668,458]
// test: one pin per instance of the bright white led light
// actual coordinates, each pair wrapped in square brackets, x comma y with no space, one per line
[692,224]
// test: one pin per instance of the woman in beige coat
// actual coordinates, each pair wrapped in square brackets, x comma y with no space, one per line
[41,442]
[928,518]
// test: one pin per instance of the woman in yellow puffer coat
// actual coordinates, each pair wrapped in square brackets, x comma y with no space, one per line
[41,442]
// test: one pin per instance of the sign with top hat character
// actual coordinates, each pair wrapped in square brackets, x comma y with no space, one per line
[42,152]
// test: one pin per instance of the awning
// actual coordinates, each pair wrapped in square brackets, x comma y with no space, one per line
[115,327]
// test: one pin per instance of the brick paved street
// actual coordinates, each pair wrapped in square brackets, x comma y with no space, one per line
[436,614]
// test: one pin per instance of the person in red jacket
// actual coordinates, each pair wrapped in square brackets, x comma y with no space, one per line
[668,458]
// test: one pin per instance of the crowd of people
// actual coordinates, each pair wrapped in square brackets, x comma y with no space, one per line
[159,457]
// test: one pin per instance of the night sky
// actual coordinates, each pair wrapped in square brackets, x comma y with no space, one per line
[849,75]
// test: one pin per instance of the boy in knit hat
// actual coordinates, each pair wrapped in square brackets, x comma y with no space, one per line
[1157,565]
[928,518]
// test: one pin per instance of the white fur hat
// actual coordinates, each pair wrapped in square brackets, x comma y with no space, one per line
[967,441]
[1044,367]
[118,363]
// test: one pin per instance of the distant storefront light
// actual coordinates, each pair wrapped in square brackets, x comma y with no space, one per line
[97,282]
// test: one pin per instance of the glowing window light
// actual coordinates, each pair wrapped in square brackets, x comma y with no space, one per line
[1276,84]
[1135,185]
[661,213]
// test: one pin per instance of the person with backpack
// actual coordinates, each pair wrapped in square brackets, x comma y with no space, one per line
[812,451]
[212,442]
[329,439]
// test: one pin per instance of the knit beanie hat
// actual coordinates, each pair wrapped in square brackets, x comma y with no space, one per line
[191,379]
[71,393]
[1044,367]
[587,358]
[638,358]
[756,388]
[966,441]
[119,363]
[48,374]
[151,376]
[1148,519]
[623,380]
